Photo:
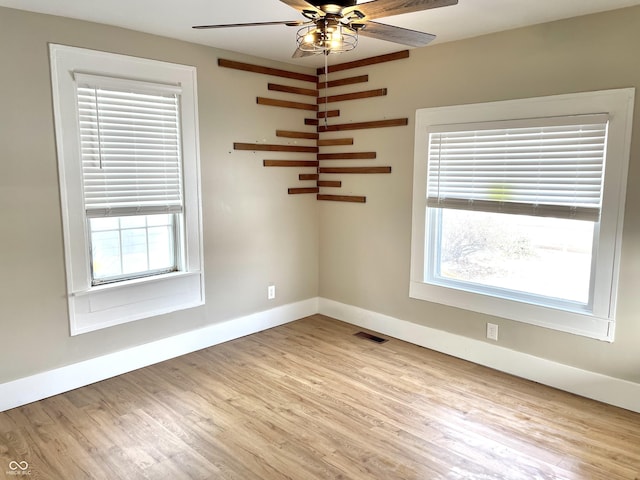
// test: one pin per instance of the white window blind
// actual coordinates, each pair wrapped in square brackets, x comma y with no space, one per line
[545,166]
[130,146]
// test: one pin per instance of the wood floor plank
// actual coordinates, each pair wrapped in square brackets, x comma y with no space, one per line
[310,400]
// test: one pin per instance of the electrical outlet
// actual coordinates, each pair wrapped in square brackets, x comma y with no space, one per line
[492,331]
[271,292]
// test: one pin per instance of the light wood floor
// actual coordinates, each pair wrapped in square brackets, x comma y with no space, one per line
[308,400]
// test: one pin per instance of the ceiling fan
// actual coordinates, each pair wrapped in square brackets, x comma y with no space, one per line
[333,26]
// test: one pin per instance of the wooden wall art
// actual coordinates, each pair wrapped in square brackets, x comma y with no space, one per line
[324,163]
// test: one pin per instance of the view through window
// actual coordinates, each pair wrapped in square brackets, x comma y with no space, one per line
[126,247]
[543,256]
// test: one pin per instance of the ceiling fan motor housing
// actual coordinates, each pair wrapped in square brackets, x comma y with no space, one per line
[335,7]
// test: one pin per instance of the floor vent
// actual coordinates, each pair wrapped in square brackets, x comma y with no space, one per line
[373,338]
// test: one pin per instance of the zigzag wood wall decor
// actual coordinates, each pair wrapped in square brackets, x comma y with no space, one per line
[322,162]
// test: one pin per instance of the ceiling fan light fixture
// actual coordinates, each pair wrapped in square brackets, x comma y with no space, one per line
[327,38]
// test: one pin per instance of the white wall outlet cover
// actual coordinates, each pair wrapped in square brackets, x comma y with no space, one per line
[492,331]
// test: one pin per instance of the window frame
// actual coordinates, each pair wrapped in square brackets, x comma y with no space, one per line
[600,322]
[101,306]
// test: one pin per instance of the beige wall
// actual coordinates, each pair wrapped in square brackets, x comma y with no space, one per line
[365,250]
[254,234]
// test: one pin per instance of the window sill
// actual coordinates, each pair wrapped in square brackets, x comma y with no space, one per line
[132,283]
[108,305]
[576,323]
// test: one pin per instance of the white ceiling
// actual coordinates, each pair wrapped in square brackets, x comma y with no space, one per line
[174,19]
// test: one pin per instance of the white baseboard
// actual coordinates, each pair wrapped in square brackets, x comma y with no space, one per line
[42,385]
[599,387]
[613,391]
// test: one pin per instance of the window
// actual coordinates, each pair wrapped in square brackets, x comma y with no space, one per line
[132,247]
[126,132]
[518,208]
[131,167]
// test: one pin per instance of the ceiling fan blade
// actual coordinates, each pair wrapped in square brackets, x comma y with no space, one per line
[299,4]
[388,8]
[390,33]
[290,23]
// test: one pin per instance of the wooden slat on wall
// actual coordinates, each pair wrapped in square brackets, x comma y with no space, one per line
[294,134]
[266,147]
[302,190]
[396,122]
[287,89]
[330,183]
[330,142]
[290,163]
[343,81]
[311,121]
[308,176]
[272,102]
[380,92]
[354,170]
[328,114]
[266,70]
[342,198]
[347,156]
[366,61]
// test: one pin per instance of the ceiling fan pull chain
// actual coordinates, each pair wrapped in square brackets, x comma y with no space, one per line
[326,88]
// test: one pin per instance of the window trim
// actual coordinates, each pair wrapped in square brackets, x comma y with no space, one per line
[95,307]
[600,324]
